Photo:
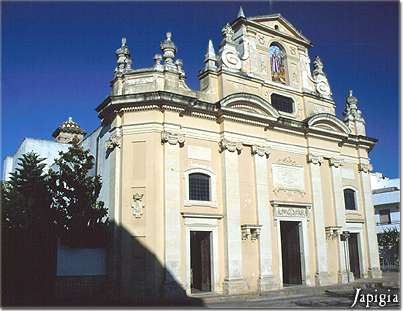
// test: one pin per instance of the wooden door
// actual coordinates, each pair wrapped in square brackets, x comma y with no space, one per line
[354,254]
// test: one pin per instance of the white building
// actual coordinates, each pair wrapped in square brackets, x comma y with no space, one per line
[386,198]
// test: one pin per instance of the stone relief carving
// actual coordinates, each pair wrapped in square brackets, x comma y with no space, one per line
[138,205]
[252,231]
[336,162]
[260,39]
[229,54]
[332,232]
[261,150]
[322,85]
[366,168]
[290,193]
[287,161]
[114,141]
[172,138]
[245,49]
[315,159]
[225,144]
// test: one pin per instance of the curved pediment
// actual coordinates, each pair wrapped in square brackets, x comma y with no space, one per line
[249,104]
[328,123]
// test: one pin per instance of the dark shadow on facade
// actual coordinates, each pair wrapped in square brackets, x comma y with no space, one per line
[135,277]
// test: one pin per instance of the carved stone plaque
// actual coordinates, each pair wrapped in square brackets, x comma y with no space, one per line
[288,177]
[290,212]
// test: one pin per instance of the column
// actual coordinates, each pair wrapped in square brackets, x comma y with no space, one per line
[173,281]
[266,281]
[339,206]
[233,281]
[322,272]
[115,252]
[371,236]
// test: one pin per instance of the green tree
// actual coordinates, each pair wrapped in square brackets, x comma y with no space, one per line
[389,244]
[28,239]
[80,217]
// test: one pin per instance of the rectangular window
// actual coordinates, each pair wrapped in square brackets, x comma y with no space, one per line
[199,187]
[282,103]
[384,216]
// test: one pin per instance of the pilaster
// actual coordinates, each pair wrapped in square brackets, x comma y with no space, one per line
[372,241]
[233,281]
[173,234]
[338,200]
[266,281]
[322,273]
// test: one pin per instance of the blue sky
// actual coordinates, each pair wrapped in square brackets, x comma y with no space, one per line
[58,58]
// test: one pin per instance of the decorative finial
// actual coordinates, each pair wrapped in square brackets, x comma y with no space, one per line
[157,62]
[70,119]
[241,13]
[124,60]
[168,49]
[321,83]
[228,33]
[179,66]
[210,58]
[318,65]
[351,111]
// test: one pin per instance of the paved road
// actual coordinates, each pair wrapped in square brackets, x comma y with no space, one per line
[322,301]
[336,297]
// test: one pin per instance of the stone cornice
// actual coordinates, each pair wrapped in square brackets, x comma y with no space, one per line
[191,106]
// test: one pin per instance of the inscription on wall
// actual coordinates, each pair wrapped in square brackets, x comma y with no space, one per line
[290,212]
[288,177]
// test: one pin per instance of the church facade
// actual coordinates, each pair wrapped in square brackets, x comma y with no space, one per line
[250,184]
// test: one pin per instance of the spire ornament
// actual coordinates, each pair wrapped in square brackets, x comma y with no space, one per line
[241,13]
[351,111]
[124,60]
[210,58]
[168,49]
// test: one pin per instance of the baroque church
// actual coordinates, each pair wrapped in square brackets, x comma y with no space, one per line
[250,184]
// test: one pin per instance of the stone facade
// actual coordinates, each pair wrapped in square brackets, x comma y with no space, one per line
[268,163]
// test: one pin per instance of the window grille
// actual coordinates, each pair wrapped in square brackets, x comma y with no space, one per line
[199,187]
[282,103]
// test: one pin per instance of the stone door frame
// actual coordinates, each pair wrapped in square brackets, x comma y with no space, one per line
[302,218]
[207,223]
[359,229]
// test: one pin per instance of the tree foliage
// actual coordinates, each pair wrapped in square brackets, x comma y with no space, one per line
[80,217]
[25,197]
[28,238]
[389,244]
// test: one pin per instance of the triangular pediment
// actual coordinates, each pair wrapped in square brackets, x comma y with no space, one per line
[278,23]
[249,105]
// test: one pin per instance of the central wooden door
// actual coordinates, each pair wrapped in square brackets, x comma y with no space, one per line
[291,252]
[200,261]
